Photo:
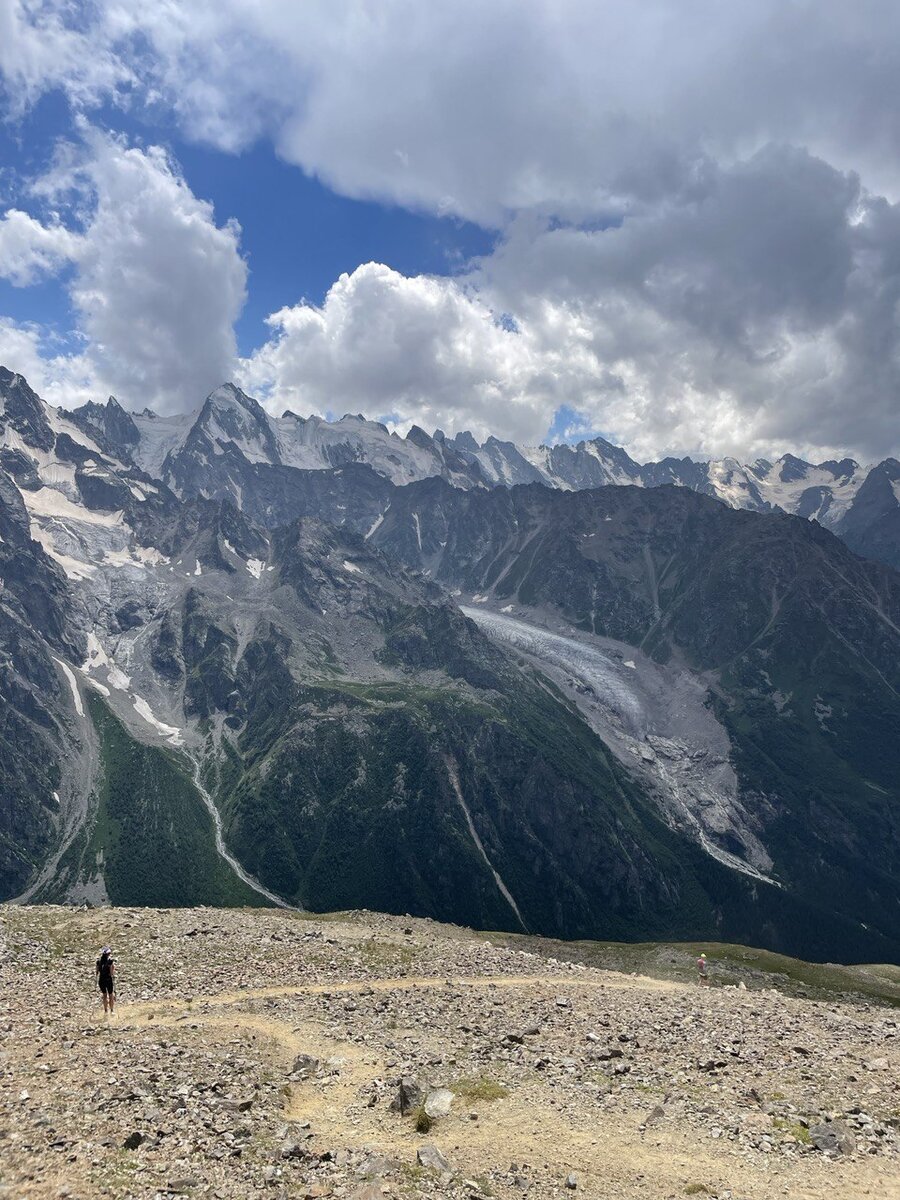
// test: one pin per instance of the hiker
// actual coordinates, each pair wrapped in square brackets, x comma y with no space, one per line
[106,978]
[702,971]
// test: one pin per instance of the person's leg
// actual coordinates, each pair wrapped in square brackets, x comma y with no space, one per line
[105,1003]
[112,999]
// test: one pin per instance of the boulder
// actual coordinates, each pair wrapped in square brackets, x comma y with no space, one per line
[410,1095]
[832,1137]
[438,1103]
[305,1065]
[430,1157]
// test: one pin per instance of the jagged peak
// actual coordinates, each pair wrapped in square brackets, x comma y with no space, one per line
[844,466]
[465,441]
[417,435]
[230,395]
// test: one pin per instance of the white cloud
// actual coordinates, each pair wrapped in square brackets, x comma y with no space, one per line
[42,47]
[29,249]
[417,350]
[485,109]
[62,377]
[758,318]
[690,260]
[157,284]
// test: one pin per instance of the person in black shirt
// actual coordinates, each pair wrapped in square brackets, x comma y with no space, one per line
[106,978]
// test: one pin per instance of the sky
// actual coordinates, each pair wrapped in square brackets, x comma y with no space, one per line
[675,224]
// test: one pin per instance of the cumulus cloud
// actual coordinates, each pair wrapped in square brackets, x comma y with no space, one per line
[487,109]
[29,249]
[412,350]
[46,44]
[63,377]
[738,323]
[157,284]
[759,317]
[695,205]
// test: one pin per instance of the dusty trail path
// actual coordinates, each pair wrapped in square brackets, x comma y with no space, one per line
[617,1158]
[645,1089]
[401,984]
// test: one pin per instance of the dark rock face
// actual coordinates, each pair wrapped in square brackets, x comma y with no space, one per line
[871,525]
[23,411]
[34,628]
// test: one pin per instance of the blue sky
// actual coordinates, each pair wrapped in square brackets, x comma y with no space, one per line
[677,226]
[298,235]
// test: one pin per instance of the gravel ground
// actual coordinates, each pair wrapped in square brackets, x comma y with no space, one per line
[259,1053]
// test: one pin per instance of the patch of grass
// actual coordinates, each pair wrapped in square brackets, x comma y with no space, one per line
[793,1129]
[423,1122]
[697,1189]
[479,1087]
[385,956]
[647,1088]
[150,829]
[412,1176]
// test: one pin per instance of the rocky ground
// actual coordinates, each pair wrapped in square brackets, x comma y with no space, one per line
[271,1054]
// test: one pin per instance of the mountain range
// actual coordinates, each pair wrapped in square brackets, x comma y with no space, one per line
[230,443]
[254,661]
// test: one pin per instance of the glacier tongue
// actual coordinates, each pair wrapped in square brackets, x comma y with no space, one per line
[656,721]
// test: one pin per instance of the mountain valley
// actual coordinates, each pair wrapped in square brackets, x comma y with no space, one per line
[248,661]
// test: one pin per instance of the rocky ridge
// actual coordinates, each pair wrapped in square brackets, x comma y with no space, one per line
[275,1054]
[230,447]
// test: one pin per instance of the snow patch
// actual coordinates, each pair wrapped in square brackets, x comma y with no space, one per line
[255,567]
[118,679]
[169,732]
[150,555]
[49,502]
[73,684]
[74,568]
[96,655]
[376,525]
[349,566]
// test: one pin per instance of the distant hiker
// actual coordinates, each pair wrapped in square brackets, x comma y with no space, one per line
[106,978]
[702,971]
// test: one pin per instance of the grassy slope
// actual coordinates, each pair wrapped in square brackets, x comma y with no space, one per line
[730,964]
[150,829]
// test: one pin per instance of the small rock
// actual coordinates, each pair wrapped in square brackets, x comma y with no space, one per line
[429,1156]
[305,1065]
[572,1181]
[832,1137]
[133,1140]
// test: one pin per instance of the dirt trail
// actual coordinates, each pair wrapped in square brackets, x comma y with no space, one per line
[613,1156]
[403,983]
